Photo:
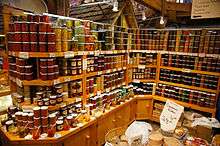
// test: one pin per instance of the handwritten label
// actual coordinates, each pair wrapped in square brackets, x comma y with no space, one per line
[24,55]
[52,55]
[170,115]
[69,54]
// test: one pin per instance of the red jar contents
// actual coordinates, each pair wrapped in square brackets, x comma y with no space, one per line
[26,46]
[43,62]
[46,101]
[42,47]
[36,18]
[52,119]
[17,27]
[33,47]
[10,36]
[20,62]
[50,62]
[51,37]
[43,76]
[28,76]
[44,111]
[51,131]
[44,129]
[20,69]
[51,76]
[50,69]
[42,27]
[24,26]
[44,121]
[33,37]
[18,37]
[30,18]
[43,69]
[25,36]
[44,18]
[33,27]
[51,47]
[11,27]
[56,68]
[49,28]
[30,117]
[28,69]
[36,112]
[36,132]
[42,37]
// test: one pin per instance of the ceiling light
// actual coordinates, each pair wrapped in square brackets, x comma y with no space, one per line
[143,16]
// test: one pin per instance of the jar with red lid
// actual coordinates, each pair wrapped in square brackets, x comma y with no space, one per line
[44,121]
[33,37]
[42,46]
[51,37]
[40,102]
[36,112]
[37,122]
[33,27]
[33,47]
[51,76]
[46,101]
[29,76]
[42,36]
[44,111]
[26,47]
[50,69]
[51,47]
[17,27]
[42,27]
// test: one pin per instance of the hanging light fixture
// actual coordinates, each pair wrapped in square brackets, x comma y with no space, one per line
[143,16]
[115,6]
[161,20]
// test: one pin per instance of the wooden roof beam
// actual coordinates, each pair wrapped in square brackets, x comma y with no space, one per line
[153,4]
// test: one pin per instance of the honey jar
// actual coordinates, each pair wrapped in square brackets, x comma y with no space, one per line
[44,111]
[53,100]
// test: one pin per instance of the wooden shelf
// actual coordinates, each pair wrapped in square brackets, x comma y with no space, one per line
[189,87]
[191,71]
[66,101]
[5,92]
[144,66]
[143,96]
[185,104]
[67,54]
[155,119]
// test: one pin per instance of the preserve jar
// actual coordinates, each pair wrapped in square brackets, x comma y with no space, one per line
[59,125]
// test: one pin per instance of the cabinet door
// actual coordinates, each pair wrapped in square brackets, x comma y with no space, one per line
[143,109]
[85,137]
[133,110]
[105,124]
[122,116]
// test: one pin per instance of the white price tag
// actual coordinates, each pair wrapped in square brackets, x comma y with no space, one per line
[201,54]
[97,53]
[136,81]
[13,54]
[114,70]
[123,84]
[118,86]
[18,82]
[124,67]
[92,94]
[80,53]
[115,51]
[67,79]
[78,99]
[24,55]
[98,92]
[57,81]
[108,71]
[141,66]
[84,64]
[107,90]
[170,116]
[100,72]
[186,70]
[52,55]
[69,54]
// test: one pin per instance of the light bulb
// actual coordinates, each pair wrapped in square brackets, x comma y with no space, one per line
[161,20]
[143,16]
[115,6]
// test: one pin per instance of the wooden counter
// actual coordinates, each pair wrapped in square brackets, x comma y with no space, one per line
[88,134]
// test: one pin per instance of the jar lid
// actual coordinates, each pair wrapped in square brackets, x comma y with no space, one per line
[69,117]
[39,93]
[83,111]
[52,115]
[60,118]
[18,113]
[36,108]
[59,122]
[46,99]
[53,96]
[30,114]
[44,108]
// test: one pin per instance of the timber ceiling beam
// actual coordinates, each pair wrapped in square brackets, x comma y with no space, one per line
[153,4]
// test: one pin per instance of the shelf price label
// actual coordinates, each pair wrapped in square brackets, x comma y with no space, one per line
[100,72]
[52,55]
[69,54]
[57,81]
[84,64]
[67,79]
[186,70]
[18,82]
[201,54]
[97,53]
[136,81]
[141,66]
[24,55]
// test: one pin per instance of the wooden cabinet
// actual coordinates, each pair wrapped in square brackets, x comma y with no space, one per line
[85,137]
[105,124]
[143,109]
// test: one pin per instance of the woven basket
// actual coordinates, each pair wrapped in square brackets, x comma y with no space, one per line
[114,134]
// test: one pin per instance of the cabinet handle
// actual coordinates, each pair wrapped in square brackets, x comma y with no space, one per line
[87,140]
